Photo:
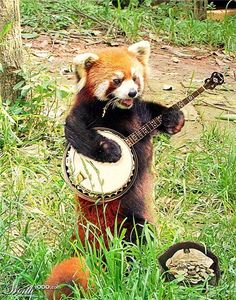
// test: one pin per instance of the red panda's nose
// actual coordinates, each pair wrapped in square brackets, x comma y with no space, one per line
[132,93]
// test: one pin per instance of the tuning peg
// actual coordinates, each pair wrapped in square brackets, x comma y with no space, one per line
[215,79]
[218,78]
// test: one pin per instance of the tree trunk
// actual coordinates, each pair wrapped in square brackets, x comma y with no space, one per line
[200,9]
[11,56]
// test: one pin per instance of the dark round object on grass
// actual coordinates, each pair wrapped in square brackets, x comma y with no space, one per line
[190,263]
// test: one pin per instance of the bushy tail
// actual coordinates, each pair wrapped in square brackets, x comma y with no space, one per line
[65,274]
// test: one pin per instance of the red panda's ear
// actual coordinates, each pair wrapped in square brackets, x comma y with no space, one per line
[141,50]
[82,63]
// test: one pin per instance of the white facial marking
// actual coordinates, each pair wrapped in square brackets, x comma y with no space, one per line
[123,90]
[118,74]
[133,71]
[101,89]
[138,72]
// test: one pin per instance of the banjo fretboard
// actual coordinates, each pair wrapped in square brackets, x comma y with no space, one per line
[147,128]
[136,136]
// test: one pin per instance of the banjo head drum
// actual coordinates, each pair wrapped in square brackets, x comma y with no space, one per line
[98,181]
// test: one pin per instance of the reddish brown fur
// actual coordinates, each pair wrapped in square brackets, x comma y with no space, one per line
[110,60]
[100,217]
[69,271]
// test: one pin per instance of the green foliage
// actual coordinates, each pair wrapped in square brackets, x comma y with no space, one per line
[46,15]
[173,21]
[29,150]
[208,169]
[6,28]
[183,29]
[42,97]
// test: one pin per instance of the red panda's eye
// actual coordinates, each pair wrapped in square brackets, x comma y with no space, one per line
[117,81]
[134,78]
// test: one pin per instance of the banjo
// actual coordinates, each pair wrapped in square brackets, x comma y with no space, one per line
[100,182]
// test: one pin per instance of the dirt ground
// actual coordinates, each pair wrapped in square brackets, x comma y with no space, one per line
[182,68]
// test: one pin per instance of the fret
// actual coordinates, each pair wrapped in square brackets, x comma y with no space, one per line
[149,128]
[134,138]
[130,138]
[141,135]
[177,105]
[128,142]
[150,125]
[188,99]
[153,123]
[140,132]
[157,122]
[143,130]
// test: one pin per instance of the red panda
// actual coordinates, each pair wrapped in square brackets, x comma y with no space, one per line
[117,75]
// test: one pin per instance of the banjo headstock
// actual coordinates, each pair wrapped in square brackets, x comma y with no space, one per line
[215,79]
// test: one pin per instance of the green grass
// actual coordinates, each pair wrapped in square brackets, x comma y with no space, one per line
[172,22]
[195,200]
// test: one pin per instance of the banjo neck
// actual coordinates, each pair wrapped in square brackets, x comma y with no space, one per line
[210,83]
[150,126]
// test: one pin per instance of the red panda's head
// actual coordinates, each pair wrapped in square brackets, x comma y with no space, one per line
[117,74]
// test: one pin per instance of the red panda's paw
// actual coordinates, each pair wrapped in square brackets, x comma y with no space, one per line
[108,151]
[64,276]
[173,121]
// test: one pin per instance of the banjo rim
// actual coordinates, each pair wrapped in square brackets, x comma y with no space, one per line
[99,199]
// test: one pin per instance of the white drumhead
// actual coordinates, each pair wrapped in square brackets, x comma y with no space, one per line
[98,177]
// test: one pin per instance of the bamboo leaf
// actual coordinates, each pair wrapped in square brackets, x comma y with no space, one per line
[6,28]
